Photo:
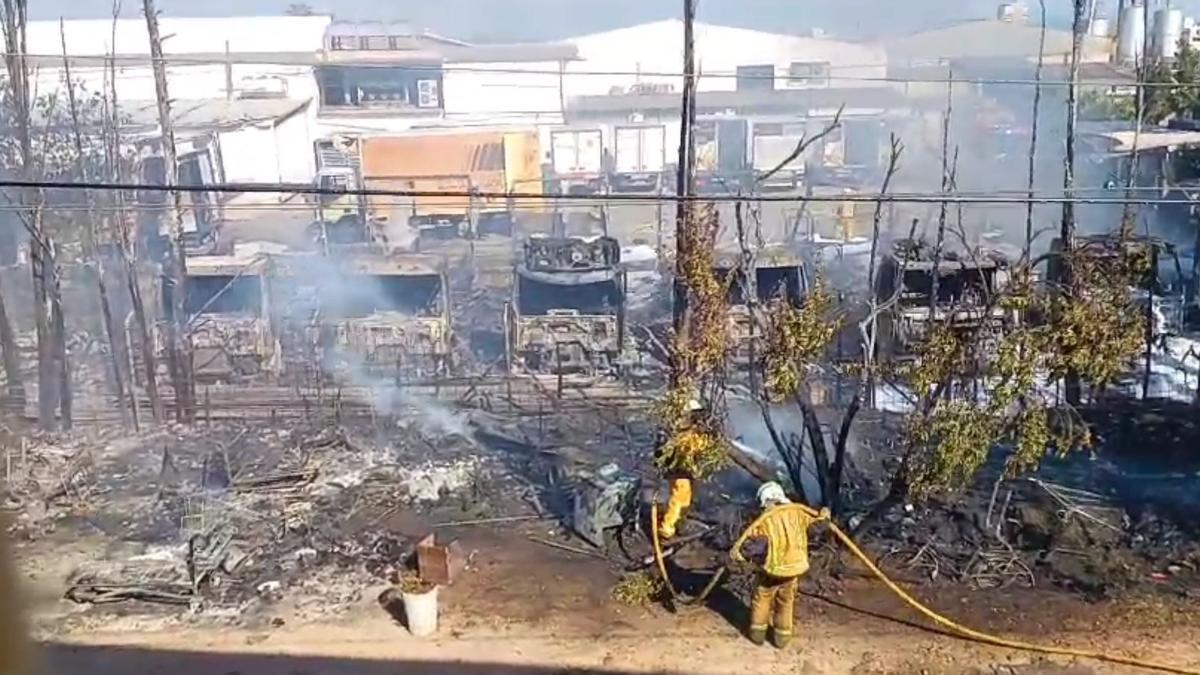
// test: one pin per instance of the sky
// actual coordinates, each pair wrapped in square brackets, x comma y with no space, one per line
[497,20]
[500,20]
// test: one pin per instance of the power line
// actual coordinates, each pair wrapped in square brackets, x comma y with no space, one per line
[452,68]
[730,197]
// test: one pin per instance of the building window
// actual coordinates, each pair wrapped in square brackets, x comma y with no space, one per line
[755,78]
[427,94]
[808,74]
[365,87]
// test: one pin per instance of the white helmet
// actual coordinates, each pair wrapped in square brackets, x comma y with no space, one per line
[771,493]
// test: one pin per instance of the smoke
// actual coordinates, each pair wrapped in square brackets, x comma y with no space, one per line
[388,399]
[321,296]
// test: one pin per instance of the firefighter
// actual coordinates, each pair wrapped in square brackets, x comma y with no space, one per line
[680,498]
[784,528]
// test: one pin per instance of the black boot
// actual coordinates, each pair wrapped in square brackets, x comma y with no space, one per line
[757,635]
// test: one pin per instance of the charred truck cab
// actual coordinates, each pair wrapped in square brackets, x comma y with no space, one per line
[966,287]
[568,309]
[780,276]
[387,315]
[1164,278]
[229,314]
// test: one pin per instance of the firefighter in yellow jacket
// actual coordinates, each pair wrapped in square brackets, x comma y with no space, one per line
[679,500]
[784,528]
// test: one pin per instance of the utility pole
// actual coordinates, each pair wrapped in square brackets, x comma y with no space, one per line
[179,353]
[685,177]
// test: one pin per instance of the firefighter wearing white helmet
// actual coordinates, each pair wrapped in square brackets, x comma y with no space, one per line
[783,526]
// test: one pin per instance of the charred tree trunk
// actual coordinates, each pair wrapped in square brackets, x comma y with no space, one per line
[14,384]
[685,176]
[43,265]
[179,353]
[946,180]
[834,500]
[1073,387]
[115,343]
[1033,136]
[129,254]
[821,464]
[66,400]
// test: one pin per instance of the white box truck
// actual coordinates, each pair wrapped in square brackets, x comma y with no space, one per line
[577,157]
[771,152]
[641,156]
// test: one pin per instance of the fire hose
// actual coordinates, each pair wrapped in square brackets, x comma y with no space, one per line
[948,624]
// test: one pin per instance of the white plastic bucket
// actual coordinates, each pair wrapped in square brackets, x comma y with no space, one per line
[421,612]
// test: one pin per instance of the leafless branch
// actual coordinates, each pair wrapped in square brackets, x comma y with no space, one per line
[804,144]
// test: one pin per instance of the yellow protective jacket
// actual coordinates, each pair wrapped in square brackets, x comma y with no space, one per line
[785,529]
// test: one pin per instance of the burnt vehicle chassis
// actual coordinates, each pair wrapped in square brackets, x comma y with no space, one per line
[780,275]
[967,286]
[371,315]
[1158,253]
[390,317]
[567,313]
[231,321]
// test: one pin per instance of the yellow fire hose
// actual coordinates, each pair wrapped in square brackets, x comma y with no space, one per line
[942,621]
[662,565]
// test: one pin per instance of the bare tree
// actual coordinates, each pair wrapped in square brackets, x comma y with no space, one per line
[1033,134]
[128,242]
[115,343]
[53,382]
[946,184]
[1067,234]
[687,163]
[179,353]
[12,363]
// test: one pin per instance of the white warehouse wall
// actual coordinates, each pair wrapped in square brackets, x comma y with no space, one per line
[248,154]
[294,141]
[658,48]
[491,90]
[246,34]
[136,83]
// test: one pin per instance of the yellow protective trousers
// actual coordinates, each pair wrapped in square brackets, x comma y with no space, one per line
[679,502]
[774,604]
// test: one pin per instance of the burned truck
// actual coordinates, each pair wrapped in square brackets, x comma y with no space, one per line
[1164,279]
[780,276]
[386,315]
[967,286]
[228,308]
[567,314]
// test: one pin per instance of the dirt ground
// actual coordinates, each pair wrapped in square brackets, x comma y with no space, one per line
[525,608]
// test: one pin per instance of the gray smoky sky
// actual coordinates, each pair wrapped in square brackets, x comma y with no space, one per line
[492,20]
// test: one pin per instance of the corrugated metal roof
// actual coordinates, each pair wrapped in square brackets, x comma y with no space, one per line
[986,39]
[214,113]
[450,54]
[1156,139]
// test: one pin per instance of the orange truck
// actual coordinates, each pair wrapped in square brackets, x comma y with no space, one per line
[483,162]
